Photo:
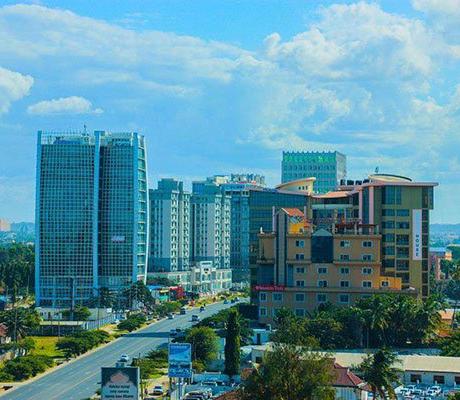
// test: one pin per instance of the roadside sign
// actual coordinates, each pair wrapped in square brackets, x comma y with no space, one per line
[180,360]
[120,383]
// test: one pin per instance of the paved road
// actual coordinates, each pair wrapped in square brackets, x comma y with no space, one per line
[78,380]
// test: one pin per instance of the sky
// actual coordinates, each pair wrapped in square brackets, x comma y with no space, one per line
[222,87]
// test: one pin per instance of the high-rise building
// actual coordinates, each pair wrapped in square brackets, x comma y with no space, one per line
[329,168]
[210,223]
[169,227]
[91,215]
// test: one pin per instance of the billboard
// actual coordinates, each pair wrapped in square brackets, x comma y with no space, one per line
[416,235]
[120,383]
[180,360]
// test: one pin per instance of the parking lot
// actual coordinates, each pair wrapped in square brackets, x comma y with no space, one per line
[424,392]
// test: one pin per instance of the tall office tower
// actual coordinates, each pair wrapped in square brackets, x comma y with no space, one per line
[401,208]
[123,209]
[327,167]
[169,227]
[210,222]
[91,215]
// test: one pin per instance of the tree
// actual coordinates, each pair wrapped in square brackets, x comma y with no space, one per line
[450,346]
[290,373]
[20,321]
[138,293]
[292,330]
[204,343]
[79,313]
[232,344]
[380,373]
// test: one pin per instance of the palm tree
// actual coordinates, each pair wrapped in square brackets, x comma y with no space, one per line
[380,373]
[20,322]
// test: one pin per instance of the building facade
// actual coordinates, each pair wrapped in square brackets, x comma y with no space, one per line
[210,225]
[300,267]
[91,215]
[329,168]
[169,227]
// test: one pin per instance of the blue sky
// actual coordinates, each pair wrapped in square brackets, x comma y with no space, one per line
[225,86]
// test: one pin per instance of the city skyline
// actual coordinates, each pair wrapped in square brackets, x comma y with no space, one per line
[215,90]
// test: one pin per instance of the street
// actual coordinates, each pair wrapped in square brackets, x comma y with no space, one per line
[78,380]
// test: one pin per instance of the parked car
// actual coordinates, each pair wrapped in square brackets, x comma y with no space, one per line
[202,308]
[157,390]
[195,318]
[170,316]
[434,391]
[183,311]
[124,358]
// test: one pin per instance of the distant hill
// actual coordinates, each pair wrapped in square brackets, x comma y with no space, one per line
[445,228]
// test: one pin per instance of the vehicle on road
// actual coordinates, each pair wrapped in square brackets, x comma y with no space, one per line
[195,318]
[202,308]
[157,390]
[173,333]
[225,301]
[183,311]
[124,358]
[170,315]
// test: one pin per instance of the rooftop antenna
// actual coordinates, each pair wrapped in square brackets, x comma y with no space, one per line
[84,128]
[376,170]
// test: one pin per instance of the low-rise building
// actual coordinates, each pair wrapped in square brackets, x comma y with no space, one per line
[437,254]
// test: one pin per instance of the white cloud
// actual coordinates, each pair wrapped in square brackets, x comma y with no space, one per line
[13,86]
[63,105]
[447,7]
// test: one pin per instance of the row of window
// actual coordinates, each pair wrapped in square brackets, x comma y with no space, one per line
[342,270]
[364,243]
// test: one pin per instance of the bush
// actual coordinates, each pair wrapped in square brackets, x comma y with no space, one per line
[132,323]
[26,367]
[81,342]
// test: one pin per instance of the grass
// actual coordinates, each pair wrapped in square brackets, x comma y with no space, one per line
[46,346]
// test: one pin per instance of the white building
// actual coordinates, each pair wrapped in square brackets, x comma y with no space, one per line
[169,248]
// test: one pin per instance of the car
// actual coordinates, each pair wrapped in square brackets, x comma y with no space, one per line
[173,333]
[183,311]
[117,321]
[417,392]
[124,358]
[170,316]
[233,301]
[157,390]
[202,308]
[195,318]
[225,301]
[434,390]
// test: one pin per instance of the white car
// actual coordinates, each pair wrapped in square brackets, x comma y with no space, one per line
[157,390]
[124,358]
[434,391]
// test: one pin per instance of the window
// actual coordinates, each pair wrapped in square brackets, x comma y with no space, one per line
[300,243]
[344,270]
[439,379]
[344,298]
[402,265]
[388,212]
[300,297]
[344,257]
[402,225]
[415,378]
[367,284]
[277,296]
[321,297]
[367,257]
[344,283]
[300,256]
[300,270]
[388,224]
[300,283]
[322,270]
[389,237]
[389,251]
[402,213]
[391,195]
[262,312]
[345,243]
[263,296]
[368,243]
[457,380]
[322,283]
[299,312]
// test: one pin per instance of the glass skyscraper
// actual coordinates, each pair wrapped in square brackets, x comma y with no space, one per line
[327,167]
[91,215]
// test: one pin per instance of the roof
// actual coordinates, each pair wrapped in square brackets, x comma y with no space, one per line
[233,395]
[344,377]
[293,212]
[447,314]
[332,195]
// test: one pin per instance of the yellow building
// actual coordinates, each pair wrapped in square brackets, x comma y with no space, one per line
[301,267]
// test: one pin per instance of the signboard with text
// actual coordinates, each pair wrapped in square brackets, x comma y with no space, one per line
[180,360]
[416,234]
[120,383]
[270,288]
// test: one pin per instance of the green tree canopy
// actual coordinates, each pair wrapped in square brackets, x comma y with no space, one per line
[204,343]
[233,344]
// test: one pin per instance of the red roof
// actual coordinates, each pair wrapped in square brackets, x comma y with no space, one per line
[293,212]
[344,377]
